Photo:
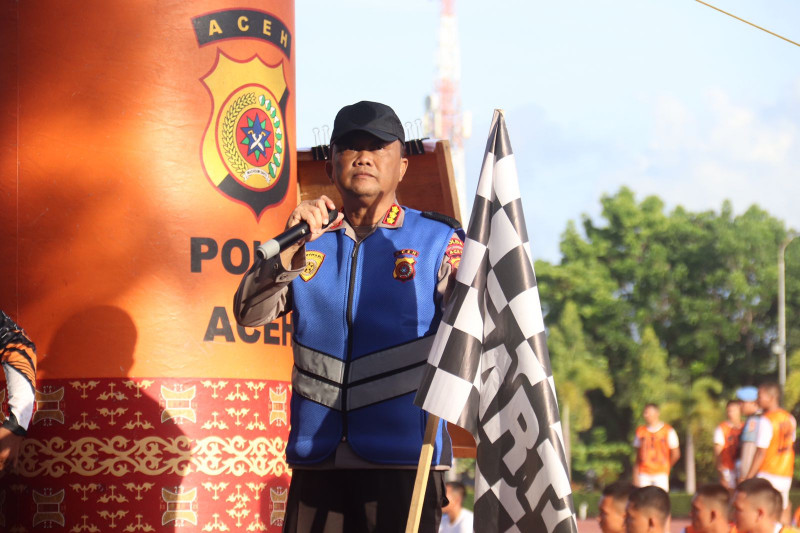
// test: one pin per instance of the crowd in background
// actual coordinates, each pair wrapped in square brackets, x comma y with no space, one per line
[755,462]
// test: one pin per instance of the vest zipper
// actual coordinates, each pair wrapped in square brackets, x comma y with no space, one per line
[350,291]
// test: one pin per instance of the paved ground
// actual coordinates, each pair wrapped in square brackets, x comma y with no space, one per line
[591,525]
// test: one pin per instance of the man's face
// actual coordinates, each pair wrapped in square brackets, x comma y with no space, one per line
[454,498]
[636,521]
[749,408]
[612,515]
[650,415]
[700,515]
[734,412]
[365,168]
[744,514]
[764,398]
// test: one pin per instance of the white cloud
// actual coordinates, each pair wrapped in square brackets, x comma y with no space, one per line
[698,157]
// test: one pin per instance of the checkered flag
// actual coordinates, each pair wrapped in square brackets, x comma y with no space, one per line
[489,368]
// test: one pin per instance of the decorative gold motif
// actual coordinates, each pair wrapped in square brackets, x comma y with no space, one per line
[83,489]
[113,497]
[83,424]
[111,394]
[143,385]
[238,395]
[44,508]
[112,517]
[153,456]
[256,387]
[261,456]
[215,488]
[257,524]
[211,424]
[239,509]
[214,387]
[90,456]
[216,525]
[83,386]
[278,496]
[48,406]
[179,506]
[277,411]
[138,424]
[178,404]
[139,526]
[237,414]
[256,424]
[257,488]
[91,528]
[144,487]
[119,411]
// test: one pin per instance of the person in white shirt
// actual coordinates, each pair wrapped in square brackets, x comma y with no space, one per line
[455,519]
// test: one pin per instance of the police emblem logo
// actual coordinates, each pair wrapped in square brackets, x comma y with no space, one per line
[404,262]
[245,146]
[313,262]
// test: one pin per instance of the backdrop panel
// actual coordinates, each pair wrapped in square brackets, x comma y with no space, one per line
[147,147]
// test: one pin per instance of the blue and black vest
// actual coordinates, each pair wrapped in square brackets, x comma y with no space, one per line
[364,321]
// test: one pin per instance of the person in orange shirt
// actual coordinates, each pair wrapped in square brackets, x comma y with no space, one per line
[726,445]
[657,450]
[648,511]
[774,457]
[709,511]
[757,508]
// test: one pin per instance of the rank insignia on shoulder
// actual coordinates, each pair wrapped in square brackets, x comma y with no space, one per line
[313,262]
[391,215]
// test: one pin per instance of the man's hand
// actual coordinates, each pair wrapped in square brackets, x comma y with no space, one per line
[10,445]
[315,214]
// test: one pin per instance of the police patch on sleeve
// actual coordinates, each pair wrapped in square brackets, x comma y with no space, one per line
[454,250]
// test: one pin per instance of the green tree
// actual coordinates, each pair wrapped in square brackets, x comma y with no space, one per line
[575,372]
[699,286]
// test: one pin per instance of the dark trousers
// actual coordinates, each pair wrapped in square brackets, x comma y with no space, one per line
[360,501]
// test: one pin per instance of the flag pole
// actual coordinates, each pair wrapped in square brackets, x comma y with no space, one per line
[423,471]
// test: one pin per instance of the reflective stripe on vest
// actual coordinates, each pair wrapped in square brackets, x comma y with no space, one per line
[373,378]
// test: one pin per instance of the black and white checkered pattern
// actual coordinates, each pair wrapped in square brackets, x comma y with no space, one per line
[489,368]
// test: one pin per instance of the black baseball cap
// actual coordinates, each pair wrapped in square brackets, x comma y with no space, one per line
[374,118]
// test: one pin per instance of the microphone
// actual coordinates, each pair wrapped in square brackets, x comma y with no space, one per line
[274,246]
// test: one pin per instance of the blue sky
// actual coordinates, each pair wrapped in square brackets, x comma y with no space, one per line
[669,98]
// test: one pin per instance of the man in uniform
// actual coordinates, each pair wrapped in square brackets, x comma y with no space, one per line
[367,295]
[747,439]
[774,457]
[726,445]
[657,450]
[648,511]
[18,357]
